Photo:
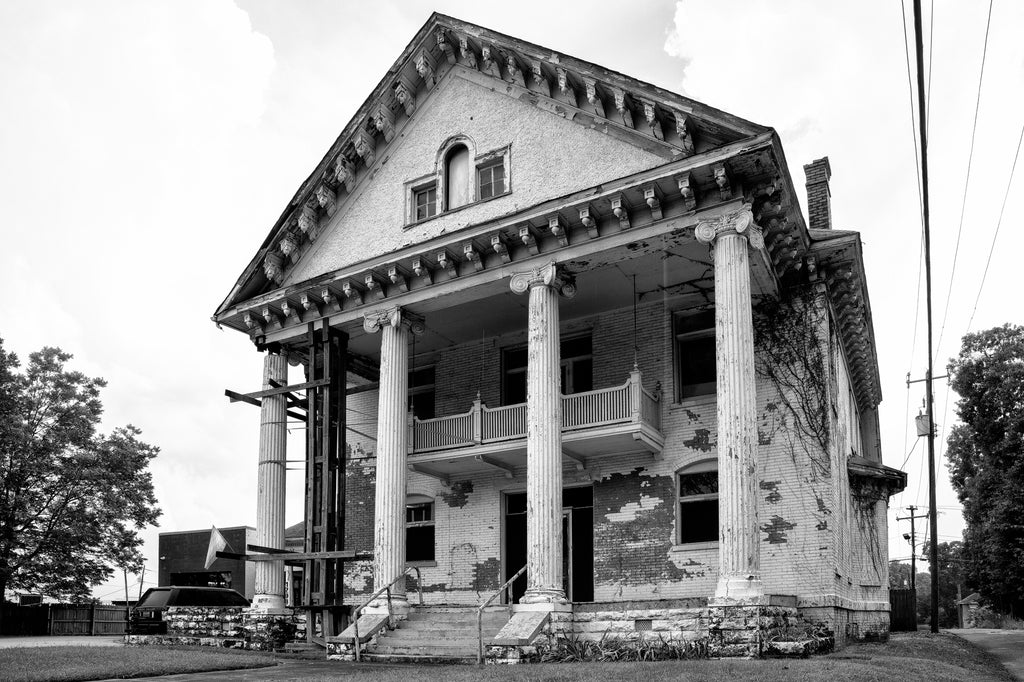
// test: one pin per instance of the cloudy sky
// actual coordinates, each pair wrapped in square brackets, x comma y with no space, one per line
[146,148]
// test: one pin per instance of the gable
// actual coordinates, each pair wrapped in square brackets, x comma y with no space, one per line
[548,157]
[618,106]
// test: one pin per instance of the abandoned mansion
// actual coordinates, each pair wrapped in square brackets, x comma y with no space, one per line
[571,359]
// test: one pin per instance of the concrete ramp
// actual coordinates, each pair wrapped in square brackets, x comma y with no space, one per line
[521,629]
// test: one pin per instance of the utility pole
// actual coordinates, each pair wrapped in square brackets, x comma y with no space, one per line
[923,124]
[913,543]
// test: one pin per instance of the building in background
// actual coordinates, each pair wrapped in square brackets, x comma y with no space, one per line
[182,560]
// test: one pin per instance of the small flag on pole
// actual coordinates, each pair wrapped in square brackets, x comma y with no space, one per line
[217,544]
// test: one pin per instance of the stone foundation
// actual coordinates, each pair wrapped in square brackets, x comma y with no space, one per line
[228,627]
[674,629]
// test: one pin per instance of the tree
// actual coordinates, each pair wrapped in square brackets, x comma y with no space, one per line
[899,575]
[71,499]
[986,462]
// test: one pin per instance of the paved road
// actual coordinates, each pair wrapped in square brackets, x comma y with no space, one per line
[1006,645]
[60,640]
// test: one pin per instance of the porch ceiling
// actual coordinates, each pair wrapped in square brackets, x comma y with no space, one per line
[672,268]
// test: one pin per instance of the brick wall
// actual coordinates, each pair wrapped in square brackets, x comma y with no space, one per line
[819,197]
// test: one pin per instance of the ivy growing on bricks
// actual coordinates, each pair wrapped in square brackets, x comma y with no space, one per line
[788,338]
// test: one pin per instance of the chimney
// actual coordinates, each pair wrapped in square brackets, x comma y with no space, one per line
[819,198]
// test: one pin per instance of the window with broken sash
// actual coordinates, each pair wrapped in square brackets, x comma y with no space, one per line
[695,354]
[698,503]
[419,531]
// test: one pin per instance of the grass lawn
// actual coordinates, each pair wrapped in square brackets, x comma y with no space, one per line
[96,663]
[919,657]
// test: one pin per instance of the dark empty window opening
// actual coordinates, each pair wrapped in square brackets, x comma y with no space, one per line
[695,355]
[419,531]
[421,392]
[698,505]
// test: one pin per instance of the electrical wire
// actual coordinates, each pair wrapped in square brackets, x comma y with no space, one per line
[931,44]
[967,180]
[999,223]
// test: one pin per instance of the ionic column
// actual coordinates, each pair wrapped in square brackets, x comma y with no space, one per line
[392,441]
[543,435]
[270,492]
[739,572]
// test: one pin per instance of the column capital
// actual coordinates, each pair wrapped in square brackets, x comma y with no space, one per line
[549,275]
[739,222]
[395,316]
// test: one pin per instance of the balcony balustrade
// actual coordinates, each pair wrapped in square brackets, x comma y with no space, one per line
[624,405]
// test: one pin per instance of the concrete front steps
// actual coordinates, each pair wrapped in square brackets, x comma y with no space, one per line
[437,634]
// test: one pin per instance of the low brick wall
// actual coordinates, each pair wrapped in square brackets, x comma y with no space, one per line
[229,627]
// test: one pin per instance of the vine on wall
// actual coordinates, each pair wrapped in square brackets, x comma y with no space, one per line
[788,339]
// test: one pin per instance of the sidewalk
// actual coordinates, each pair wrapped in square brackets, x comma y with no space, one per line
[61,640]
[1006,645]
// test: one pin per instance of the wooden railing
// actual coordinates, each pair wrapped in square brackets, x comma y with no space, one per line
[629,402]
[502,423]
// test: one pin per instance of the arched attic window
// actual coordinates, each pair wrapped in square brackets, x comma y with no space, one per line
[458,186]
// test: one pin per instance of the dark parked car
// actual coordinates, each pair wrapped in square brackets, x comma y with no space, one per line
[147,616]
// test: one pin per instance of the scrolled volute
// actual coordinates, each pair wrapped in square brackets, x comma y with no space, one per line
[739,222]
[549,275]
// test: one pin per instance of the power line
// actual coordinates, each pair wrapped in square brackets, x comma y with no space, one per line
[996,233]
[967,180]
[931,44]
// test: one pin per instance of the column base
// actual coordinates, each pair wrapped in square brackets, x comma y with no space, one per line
[736,589]
[541,596]
[269,603]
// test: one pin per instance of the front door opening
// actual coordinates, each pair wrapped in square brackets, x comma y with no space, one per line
[577,542]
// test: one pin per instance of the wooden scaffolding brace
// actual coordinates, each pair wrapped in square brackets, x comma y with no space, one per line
[324,411]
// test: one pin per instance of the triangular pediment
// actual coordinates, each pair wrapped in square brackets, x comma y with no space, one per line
[622,116]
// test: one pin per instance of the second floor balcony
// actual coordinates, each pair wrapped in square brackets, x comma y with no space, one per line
[609,421]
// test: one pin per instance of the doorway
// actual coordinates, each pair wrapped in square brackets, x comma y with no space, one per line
[577,543]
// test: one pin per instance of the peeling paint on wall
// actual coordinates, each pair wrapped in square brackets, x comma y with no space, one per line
[487,575]
[458,495]
[629,511]
[701,440]
[774,496]
[633,533]
[777,529]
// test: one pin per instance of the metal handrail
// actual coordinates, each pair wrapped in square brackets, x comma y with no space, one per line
[386,588]
[480,614]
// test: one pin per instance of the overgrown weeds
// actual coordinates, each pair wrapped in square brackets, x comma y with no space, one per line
[574,649]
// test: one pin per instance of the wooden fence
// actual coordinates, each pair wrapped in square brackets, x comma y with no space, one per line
[65,619]
[902,610]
